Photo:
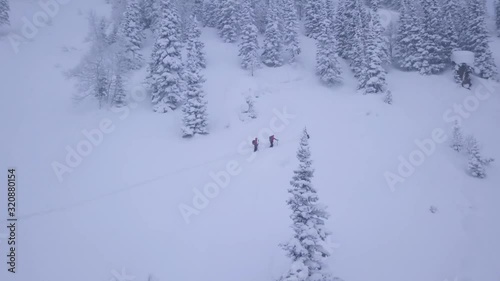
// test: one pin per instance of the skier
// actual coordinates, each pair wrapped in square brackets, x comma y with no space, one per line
[255,143]
[272,139]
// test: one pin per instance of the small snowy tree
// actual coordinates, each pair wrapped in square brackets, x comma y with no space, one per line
[457,139]
[273,41]
[307,248]
[119,96]
[327,63]
[476,164]
[249,45]
[94,74]
[388,97]
[4,13]
[250,111]
[165,69]
[194,108]
[194,44]
[478,39]
[228,21]
[133,35]
[290,30]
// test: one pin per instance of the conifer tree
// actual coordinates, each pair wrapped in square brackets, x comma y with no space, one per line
[4,13]
[119,96]
[476,163]
[273,41]
[165,69]
[457,139]
[341,21]
[451,16]
[478,40]
[497,16]
[210,13]
[133,35]
[313,17]
[194,42]
[307,248]
[198,11]
[194,108]
[149,14]
[327,63]
[260,10]
[228,20]
[374,76]
[357,54]
[250,111]
[388,97]
[407,42]
[432,51]
[249,45]
[290,30]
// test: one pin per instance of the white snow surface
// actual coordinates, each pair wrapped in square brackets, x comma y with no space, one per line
[463,57]
[119,208]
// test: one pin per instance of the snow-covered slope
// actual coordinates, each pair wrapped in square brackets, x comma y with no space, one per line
[119,207]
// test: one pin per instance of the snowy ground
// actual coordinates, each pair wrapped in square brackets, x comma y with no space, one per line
[119,208]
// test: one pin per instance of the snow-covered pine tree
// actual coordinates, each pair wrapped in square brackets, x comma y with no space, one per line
[119,97]
[149,15]
[478,39]
[165,69]
[388,97]
[407,40]
[476,163]
[290,30]
[228,20]
[260,10]
[307,248]
[327,63]
[198,11]
[374,73]
[457,139]
[4,13]
[194,108]
[313,17]
[194,42]
[250,111]
[133,35]
[210,11]
[249,45]
[357,53]
[273,41]
[450,16]
[341,22]
[497,16]
[432,50]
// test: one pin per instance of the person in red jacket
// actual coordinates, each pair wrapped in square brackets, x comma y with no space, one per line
[272,139]
[255,143]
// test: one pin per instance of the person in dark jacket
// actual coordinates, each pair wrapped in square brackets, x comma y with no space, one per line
[271,140]
[255,143]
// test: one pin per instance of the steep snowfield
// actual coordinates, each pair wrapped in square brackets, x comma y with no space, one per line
[119,208]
